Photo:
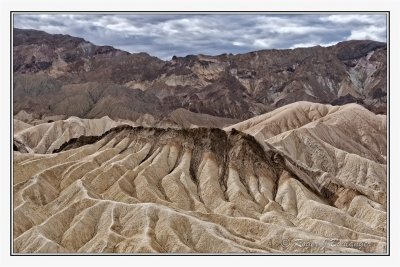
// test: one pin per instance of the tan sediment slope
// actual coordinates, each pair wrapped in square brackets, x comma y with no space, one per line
[187,119]
[350,128]
[192,190]
[347,142]
[302,113]
[20,125]
[46,137]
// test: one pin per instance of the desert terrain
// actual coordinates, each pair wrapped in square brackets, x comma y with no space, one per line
[265,152]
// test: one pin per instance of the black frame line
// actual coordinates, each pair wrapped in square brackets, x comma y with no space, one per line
[244,12]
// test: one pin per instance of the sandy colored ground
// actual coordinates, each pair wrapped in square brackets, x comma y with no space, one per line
[312,180]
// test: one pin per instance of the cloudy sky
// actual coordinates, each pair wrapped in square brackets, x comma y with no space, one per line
[167,35]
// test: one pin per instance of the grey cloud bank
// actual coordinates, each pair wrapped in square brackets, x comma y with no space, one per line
[182,34]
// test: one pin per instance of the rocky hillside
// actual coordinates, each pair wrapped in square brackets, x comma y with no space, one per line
[35,51]
[53,71]
[208,190]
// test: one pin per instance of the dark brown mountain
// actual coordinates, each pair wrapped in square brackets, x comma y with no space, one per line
[60,74]
[35,51]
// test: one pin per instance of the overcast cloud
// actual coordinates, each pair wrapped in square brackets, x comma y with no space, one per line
[167,35]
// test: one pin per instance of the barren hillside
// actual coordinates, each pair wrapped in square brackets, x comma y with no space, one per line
[136,189]
[53,71]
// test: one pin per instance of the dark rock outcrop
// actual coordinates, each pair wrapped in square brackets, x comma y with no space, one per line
[61,68]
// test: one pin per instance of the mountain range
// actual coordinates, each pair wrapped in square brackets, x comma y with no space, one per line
[53,71]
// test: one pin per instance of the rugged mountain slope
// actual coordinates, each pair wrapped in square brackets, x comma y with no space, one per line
[201,190]
[34,51]
[44,96]
[234,86]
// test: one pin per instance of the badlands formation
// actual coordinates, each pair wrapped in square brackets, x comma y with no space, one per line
[304,178]
[118,152]
[44,135]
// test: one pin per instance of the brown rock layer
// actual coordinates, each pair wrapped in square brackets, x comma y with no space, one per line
[103,81]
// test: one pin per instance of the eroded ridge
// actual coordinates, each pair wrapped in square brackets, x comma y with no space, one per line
[136,189]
